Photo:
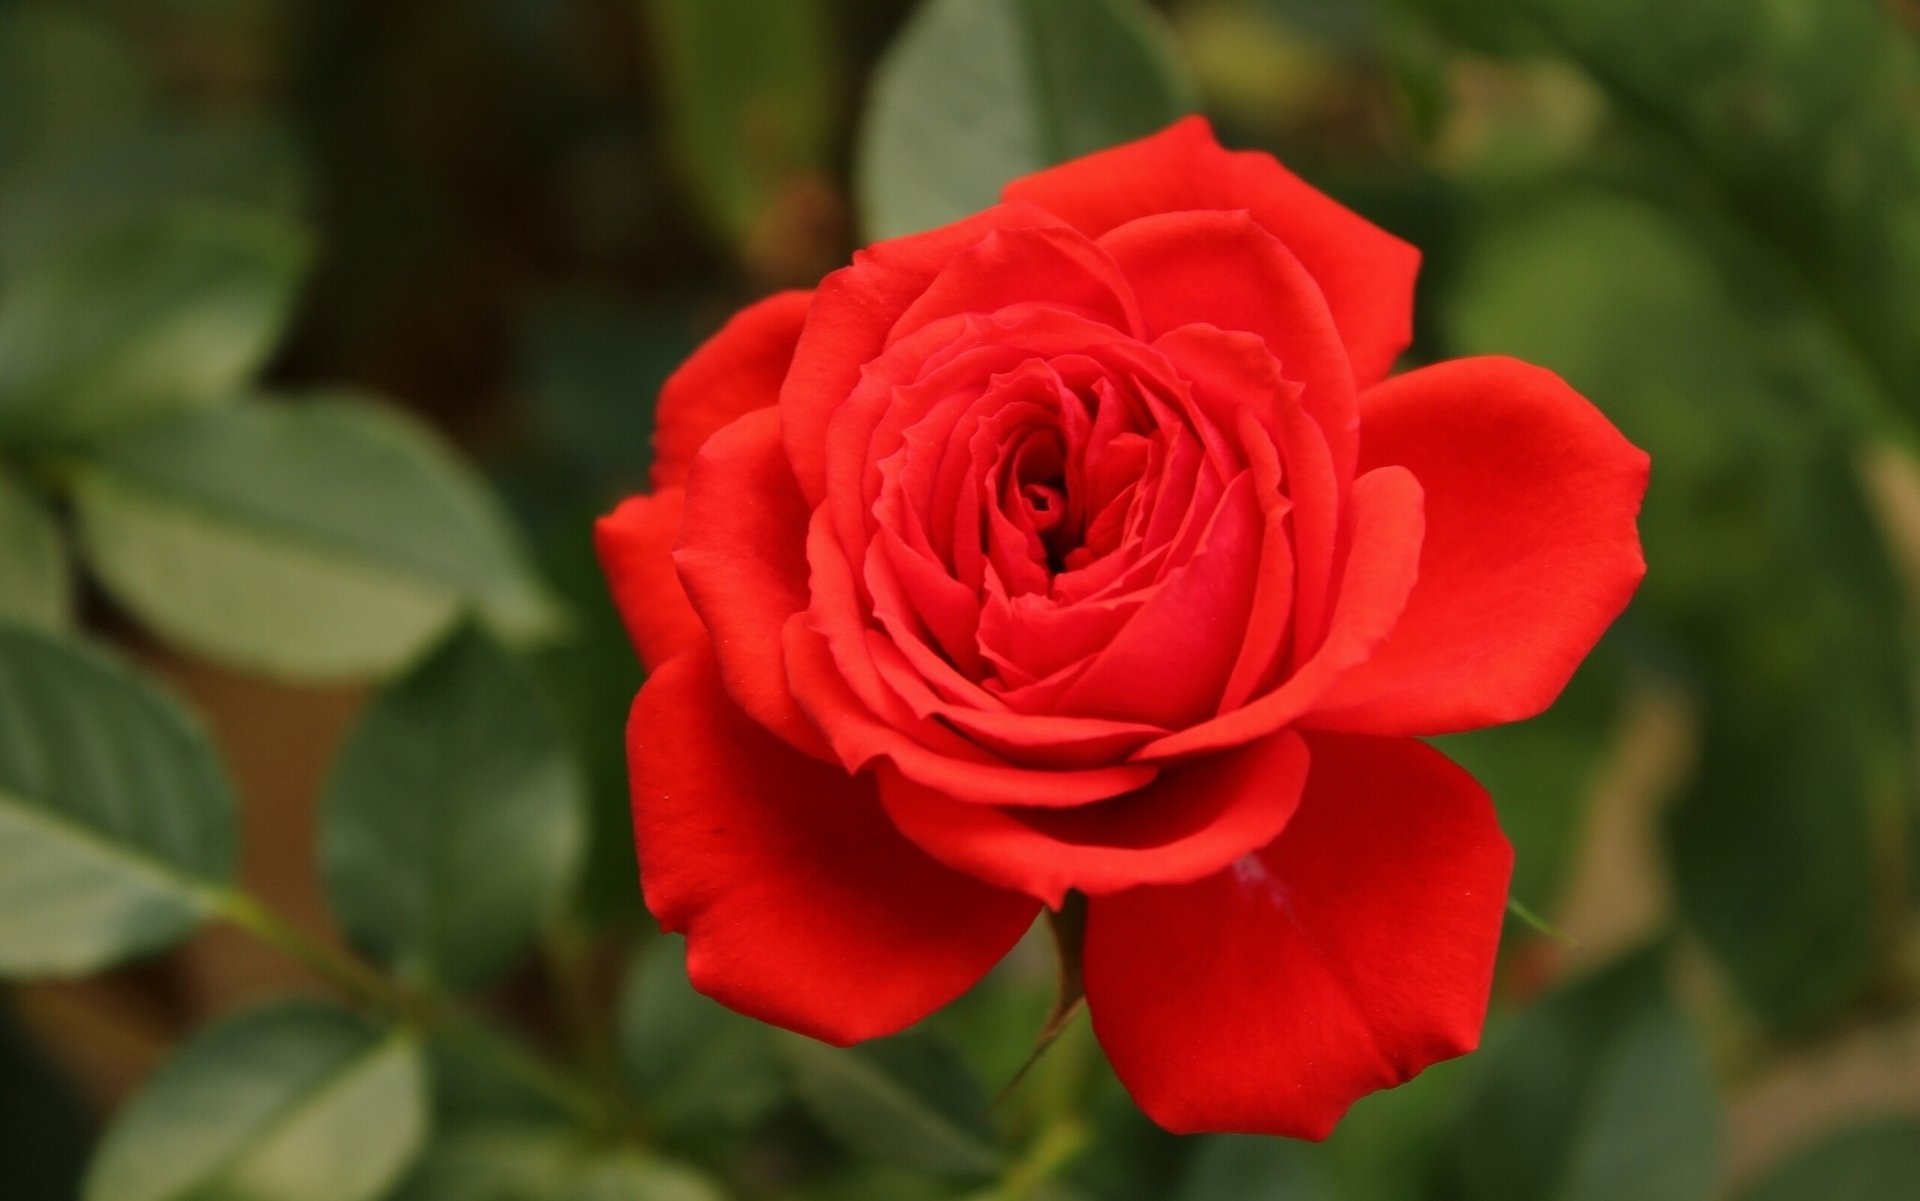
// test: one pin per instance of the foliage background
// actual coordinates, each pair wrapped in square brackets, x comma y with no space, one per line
[265,265]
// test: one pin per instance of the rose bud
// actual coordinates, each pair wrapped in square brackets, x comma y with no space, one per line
[1084,548]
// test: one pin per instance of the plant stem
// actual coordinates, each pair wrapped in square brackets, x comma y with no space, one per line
[1055,1147]
[484,1043]
[460,1029]
[343,971]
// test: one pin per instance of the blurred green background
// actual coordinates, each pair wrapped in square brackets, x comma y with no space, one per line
[326,329]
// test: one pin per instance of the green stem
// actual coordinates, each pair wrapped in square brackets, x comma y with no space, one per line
[344,972]
[1056,1147]
[486,1044]
[592,1044]
[460,1029]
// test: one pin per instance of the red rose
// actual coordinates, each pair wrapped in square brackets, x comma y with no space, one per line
[1082,545]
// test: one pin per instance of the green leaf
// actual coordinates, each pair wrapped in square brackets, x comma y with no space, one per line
[33,561]
[535,1163]
[173,310]
[977,92]
[1600,1091]
[64,79]
[1244,1166]
[299,1101]
[905,1100]
[116,824]
[749,98]
[1795,114]
[1870,1162]
[1651,1126]
[1765,569]
[322,539]
[236,162]
[1541,772]
[694,1063]
[1384,1149]
[453,822]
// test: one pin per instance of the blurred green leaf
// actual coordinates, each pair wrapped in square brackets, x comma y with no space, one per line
[454,819]
[45,1128]
[1799,115]
[1765,570]
[320,539]
[1385,1149]
[880,1182]
[235,162]
[977,92]
[1541,774]
[1873,1161]
[692,1062]
[1256,1169]
[174,309]
[299,1101]
[471,1089]
[534,1163]
[33,561]
[905,1100]
[749,96]
[64,79]
[116,822]
[1651,1125]
[1127,1156]
[1600,1091]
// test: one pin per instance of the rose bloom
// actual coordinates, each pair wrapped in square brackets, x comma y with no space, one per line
[1084,546]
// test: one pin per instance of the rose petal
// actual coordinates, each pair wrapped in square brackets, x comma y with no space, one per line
[742,556]
[924,751]
[1053,267]
[1531,549]
[1188,824]
[1365,273]
[848,326]
[1168,665]
[635,545]
[1381,566]
[1346,956]
[1226,270]
[801,904]
[736,371]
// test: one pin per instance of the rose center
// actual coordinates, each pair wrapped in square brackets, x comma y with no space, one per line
[1040,501]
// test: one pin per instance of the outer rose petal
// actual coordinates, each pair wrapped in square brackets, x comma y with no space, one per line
[635,544]
[742,555]
[1350,953]
[1187,824]
[736,371]
[1530,551]
[801,904]
[1366,273]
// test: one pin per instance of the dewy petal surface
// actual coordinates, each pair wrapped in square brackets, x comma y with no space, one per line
[1531,548]
[1344,957]
[736,371]
[801,903]
[1366,273]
